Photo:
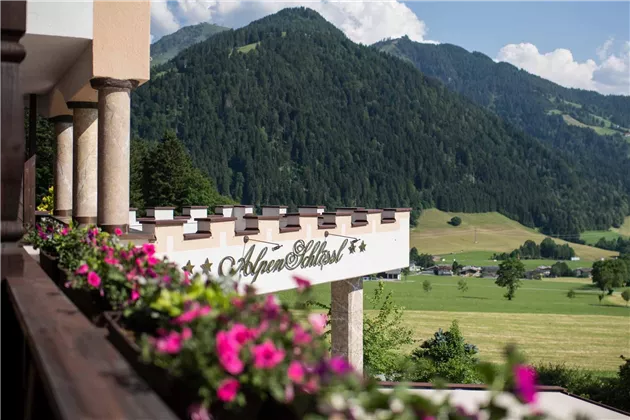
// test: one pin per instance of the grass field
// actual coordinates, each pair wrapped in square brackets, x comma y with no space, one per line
[546,325]
[592,236]
[484,258]
[493,232]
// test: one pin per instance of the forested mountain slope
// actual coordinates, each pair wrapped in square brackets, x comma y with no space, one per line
[170,45]
[289,111]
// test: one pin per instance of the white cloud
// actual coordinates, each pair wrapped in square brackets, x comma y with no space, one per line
[364,22]
[609,75]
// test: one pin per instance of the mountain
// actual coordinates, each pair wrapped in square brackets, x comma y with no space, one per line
[593,129]
[287,110]
[169,46]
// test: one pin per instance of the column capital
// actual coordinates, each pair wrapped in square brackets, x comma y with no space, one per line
[61,119]
[107,82]
[79,104]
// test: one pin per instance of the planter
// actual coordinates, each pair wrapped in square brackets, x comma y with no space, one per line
[50,265]
[89,302]
[178,394]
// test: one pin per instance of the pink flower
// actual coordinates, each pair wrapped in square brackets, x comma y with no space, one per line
[289,393]
[339,365]
[238,302]
[241,334]
[148,249]
[93,279]
[296,372]
[525,381]
[300,336]
[228,388]
[198,412]
[266,355]
[111,261]
[64,231]
[151,261]
[311,386]
[170,344]
[117,232]
[302,283]
[262,328]
[83,269]
[193,313]
[228,349]
[135,295]
[271,306]
[318,322]
[186,334]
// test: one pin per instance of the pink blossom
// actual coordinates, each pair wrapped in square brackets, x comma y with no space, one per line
[186,334]
[339,365]
[135,295]
[93,279]
[262,328]
[266,355]
[83,269]
[318,322]
[111,261]
[117,232]
[166,279]
[525,381]
[228,349]
[302,283]
[300,336]
[186,280]
[198,412]
[271,306]
[151,261]
[170,344]
[289,393]
[241,334]
[192,313]
[296,372]
[228,388]
[311,386]
[148,249]
[238,302]
[64,231]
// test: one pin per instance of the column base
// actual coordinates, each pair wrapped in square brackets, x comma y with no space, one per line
[63,213]
[347,320]
[85,220]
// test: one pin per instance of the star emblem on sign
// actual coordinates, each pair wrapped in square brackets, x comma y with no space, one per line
[188,267]
[352,249]
[362,247]
[206,267]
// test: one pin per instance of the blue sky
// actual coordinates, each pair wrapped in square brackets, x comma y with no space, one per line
[487,26]
[576,44]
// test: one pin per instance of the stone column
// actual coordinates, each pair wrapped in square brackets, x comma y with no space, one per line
[113,152]
[346,297]
[84,161]
[62,168]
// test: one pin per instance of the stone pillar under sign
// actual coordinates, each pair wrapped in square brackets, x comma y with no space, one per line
[346,299]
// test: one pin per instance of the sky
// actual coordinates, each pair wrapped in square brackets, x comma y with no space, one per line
[573,43]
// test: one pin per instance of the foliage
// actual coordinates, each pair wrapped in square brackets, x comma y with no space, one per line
[162,174]
[528,102]
[625,295]
[456,267]
[619,244]
[609,274]
[447,356]
[310,116]
[548,249]
[455,221]
[561,269]
[462,285]
[426,286]
[420,260]
[509,275]
[48,201]
[383,334]
[45,138]
[571,294]
[170,45]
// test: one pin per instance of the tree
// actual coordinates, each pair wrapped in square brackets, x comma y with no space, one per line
[509,275]
[561,269]
[456,267]
[547,248]
[426,286]
[456,221]
[625,295]
[571,294]
[609,274]
[405,273]
[462,285]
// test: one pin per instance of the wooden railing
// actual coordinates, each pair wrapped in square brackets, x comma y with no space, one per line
[58,364]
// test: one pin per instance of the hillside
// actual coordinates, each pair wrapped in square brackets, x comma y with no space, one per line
[302,115]
[587,127]
[170,45]
[494,233]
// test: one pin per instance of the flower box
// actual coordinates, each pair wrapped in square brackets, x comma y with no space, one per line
[50,265]
[177,394]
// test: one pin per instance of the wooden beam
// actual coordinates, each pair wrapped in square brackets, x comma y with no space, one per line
[30,167]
